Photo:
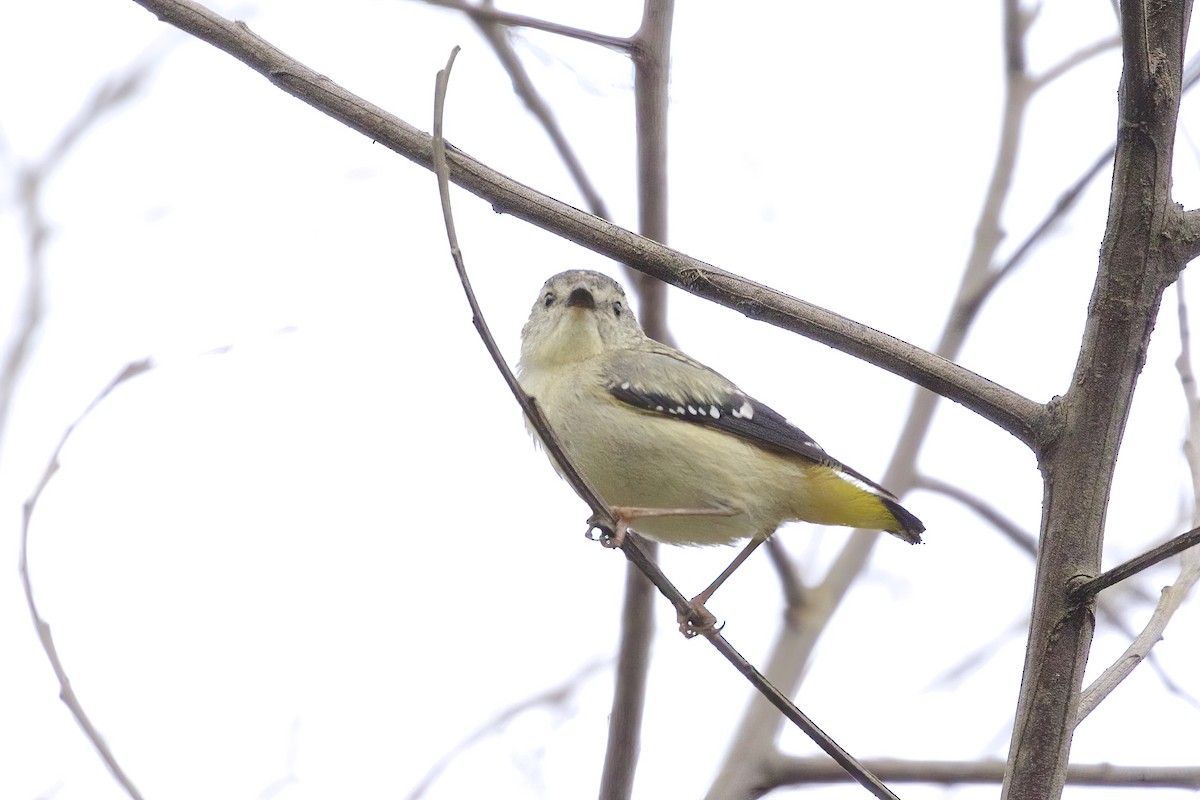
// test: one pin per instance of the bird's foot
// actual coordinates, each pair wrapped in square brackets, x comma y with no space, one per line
[624,515]
[608,537]
[698,621]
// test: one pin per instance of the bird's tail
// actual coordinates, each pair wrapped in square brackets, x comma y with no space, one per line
[836,498]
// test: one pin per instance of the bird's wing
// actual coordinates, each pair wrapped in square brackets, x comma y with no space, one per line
[666,382]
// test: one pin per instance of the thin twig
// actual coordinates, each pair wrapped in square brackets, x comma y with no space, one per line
[484,13]
[551,698]
[1174,595]
[1064,203]
[110,95]
[1080,56]
[498,38]
[66,692]
[631,546]
[974,660]
[528,404]
[1011,530]
[1088,589]
[113,93]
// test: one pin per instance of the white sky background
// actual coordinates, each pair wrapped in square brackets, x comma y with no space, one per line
[333,553]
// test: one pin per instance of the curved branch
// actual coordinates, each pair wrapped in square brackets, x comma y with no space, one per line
[1016,414]
[65,691]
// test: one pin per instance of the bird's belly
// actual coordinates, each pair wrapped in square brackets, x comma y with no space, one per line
[665,469]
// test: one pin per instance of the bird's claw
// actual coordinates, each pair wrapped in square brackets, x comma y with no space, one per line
[698,621]
[608,536]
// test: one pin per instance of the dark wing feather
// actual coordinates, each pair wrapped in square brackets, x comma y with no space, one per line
[693,394]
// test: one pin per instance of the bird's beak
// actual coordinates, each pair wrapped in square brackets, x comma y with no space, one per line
[581,298]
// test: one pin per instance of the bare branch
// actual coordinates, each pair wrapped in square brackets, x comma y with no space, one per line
[795,644]
[1082,592]
[1014,413]
[1080,56]
[1011,530]
[523,87]
[1187,236]
[799,771]
[651,70]
[480,13]
[1139,649]
[1174,595]
[1065,202]
[108,97]
[66,692]
[551,698]
[1078,461]
[112,94]
[794,591]
[976,659]
[651,49]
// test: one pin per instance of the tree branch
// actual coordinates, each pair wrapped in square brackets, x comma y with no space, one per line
[1011,530]
[1082,592]
[651,71]
[742,771]
[1078,456]
[1187,236]
[480,13]
[65,691]
[651,50]
[556,698]
[800,771]
[498,37]
[1174,595]
[1018,415]
[1080,56]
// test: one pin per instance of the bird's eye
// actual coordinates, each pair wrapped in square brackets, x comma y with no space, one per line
[618,308]
[548,300]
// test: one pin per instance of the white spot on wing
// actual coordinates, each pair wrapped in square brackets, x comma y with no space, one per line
[746,411]
[714,412]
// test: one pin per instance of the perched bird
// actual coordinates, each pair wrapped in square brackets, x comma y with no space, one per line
[680,453]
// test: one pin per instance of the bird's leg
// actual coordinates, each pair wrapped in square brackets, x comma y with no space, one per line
[627,514]
[699,620]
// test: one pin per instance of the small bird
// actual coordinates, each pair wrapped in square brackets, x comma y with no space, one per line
[680,453]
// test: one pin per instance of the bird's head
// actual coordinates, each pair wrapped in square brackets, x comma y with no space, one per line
[577,315]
